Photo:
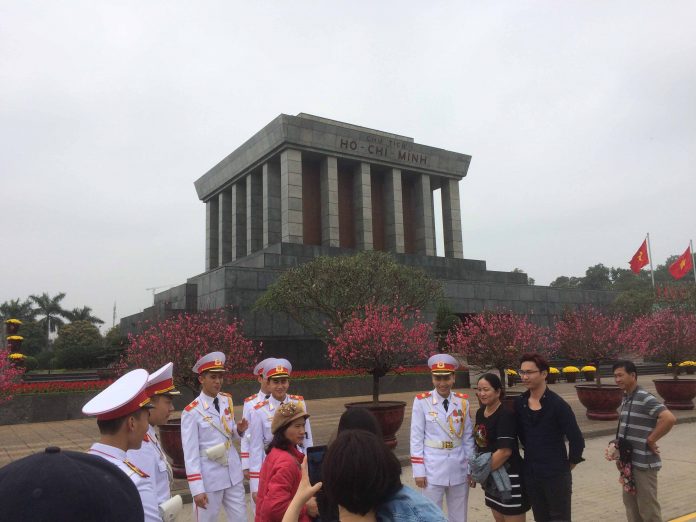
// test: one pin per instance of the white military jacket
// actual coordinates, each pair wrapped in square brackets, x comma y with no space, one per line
[153,461]
[260,434]
[441,441]
[139,477]
[249,404]
[202,427]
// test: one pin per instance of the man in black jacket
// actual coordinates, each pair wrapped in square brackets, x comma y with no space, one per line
[544,422]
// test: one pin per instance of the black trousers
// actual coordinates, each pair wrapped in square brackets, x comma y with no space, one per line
[550,496]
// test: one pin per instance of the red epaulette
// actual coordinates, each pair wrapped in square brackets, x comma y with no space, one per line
[423,395]
[250,398]
[260,405]
[146,438]
[296,397]
[461,395]
[191,406]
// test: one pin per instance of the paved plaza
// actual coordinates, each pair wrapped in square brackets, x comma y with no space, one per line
[596,490]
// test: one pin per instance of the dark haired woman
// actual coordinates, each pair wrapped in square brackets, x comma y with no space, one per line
[495,433]
[280,472]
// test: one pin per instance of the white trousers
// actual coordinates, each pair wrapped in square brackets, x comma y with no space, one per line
[232,500]
[457,499]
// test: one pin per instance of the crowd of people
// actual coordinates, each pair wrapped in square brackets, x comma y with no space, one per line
[359,477]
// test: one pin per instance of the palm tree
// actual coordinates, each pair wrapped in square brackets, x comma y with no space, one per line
[16,309]
[82,314]
[49,307]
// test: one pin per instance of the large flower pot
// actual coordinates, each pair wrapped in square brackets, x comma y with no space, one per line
[509,400]
[570,377]
[677,393]
[170,436]
[589,376]
[389,414]
[690,370]
[601,402]
[551,378]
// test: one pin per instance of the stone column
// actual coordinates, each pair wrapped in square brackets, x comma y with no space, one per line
[329,201]
[270,175]
[239,242]
[291,196]
[451,218]
[393,212]
[212,219]
[424,232]
[362,199]
[225,226]
[254,212]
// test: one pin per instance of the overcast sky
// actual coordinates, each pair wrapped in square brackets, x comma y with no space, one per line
[580,118]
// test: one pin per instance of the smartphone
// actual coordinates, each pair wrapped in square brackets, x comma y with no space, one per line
[315,457]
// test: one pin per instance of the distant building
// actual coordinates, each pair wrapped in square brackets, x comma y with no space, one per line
[305,186]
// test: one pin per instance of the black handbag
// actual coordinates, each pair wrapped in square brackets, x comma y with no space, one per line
[624,446]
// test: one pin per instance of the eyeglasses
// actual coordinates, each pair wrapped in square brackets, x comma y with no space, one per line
[522,373]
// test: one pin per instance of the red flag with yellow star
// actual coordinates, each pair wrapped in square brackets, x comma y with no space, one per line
[682,265]
[640,258]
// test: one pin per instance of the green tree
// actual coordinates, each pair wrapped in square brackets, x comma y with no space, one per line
[530,280]
[82,314]
[49,307]
[330,289]
[596,278]
[634,302]
[566,282]
[16,309]
[79,345]
[114,344]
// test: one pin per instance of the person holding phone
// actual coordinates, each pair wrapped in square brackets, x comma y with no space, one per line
[441,440]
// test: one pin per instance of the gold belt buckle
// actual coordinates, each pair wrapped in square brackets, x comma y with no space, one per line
[447,444]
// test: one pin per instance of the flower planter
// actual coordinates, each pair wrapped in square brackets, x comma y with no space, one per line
[389,414]
[509,399]
[601,402]
[551,378]
[589,376]
[571,377]
[510,381]
[677,393]
[170,435]
[690,370]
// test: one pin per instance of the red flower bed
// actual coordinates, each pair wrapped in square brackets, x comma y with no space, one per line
[86,386]
[60,387]
[318,374]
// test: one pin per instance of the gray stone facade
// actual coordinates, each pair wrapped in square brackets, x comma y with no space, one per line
[305,186]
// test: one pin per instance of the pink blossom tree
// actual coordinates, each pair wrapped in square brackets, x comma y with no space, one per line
[669,335]
[184,339]
[589,336]
[378,339]
[9,375]
[497,340]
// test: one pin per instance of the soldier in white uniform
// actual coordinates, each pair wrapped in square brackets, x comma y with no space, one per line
[249,403]
[151,457]
[122,418]
[441,440]
[277,376]
[213,466]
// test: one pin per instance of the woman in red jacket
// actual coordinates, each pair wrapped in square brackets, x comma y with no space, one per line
[281,472]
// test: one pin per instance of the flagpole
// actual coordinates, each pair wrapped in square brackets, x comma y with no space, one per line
[652,274]
[691,253]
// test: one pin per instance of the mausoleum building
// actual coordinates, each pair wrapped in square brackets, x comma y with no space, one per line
[305,186]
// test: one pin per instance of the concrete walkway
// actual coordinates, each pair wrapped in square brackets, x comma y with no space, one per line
[595,483]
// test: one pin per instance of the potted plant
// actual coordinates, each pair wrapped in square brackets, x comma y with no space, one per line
[511,377]
[589,372]
[496,341]
[688,366]
[553,375]
[184,339]
[10,374]
[668,335]
[590,335]
[377,340]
